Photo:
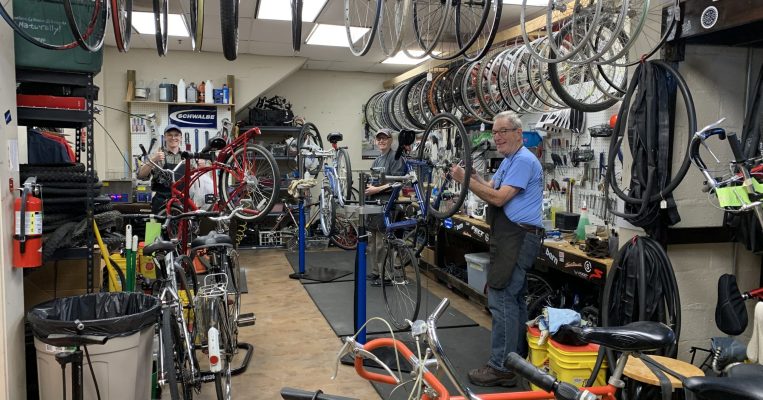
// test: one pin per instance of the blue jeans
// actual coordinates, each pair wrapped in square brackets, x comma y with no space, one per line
[508,307]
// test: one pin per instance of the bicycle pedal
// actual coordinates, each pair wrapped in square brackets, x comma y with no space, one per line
[247,319]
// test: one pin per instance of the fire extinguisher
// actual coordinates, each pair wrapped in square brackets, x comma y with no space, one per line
[27,237]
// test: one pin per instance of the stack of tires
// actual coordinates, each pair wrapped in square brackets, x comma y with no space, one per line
[64,202]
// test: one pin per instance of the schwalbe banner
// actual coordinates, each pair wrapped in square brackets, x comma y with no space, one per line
[193,117]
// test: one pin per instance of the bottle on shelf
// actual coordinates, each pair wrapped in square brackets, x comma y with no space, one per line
[226,94]
[165,91]
[181,91]
[190,93]
[202,92]
[209,92]
[582,223]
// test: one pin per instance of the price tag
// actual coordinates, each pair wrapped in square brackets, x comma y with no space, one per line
[458,113]
[663,204]
[482,127]
[429,77]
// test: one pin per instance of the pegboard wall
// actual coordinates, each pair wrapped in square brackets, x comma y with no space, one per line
[140,129]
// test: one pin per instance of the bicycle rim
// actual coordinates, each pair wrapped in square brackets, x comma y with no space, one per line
[252,175]
[445,196]
[429,18]
[362,14]
[658,25]
[197,24]
[161,21]
[484,40]
[22,33]
[233,270]
[121,19]
[168,354]
[183,363]
[229,28]
[95,32]
[308,165]
[223,386]
[345,233]
[344,173]
[296,24]
[392,25]
[401,285]
[327,206]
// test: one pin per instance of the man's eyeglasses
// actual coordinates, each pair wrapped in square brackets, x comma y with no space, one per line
[504,131]
[383,138]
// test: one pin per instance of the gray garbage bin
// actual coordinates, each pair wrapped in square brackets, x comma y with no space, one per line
[122,366]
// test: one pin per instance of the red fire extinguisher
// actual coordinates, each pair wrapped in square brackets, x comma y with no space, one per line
[27,237]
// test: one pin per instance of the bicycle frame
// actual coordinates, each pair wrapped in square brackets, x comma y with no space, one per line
[420,197]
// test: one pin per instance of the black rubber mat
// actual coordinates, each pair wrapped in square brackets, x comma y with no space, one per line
[466,348]
[335,302]
[340,260]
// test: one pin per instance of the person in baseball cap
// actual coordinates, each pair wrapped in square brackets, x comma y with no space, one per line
[166,156]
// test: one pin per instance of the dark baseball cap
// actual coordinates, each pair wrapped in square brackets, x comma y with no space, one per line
[384,131]
[172,127]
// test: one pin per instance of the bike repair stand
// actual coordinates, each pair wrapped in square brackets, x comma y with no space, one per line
[318,274]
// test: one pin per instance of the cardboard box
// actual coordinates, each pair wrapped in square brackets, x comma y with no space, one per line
[60,279]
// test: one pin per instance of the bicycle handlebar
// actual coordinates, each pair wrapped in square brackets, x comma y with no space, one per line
[562,390]
[198,156]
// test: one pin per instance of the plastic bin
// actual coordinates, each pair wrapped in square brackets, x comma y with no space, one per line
[574,364]
[476,270]
[122,366]
[45,20]
[538,354]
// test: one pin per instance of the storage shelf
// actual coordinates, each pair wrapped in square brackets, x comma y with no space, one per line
[181,104]
[52,117]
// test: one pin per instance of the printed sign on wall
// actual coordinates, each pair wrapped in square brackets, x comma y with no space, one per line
[193,117]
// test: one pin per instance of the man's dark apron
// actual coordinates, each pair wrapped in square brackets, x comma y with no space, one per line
[162,189]
[506,240]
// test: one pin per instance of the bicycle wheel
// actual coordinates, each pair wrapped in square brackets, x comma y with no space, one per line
[484,40]
[393,22]
[95,32]
[309,137]
[168,354]
[539,295]
[444,196]
[429,18]
[233,269]
[229,26]
[253,176]
[327,208]
[361,14]
[121,19]
[197,24]
[223,376]
[177,361]
[296,24]
[464,28]
[401,285]
[344,172]
[161,24]
[345,234]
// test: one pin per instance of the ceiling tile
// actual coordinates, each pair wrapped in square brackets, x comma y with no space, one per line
[315,64]
[265,30]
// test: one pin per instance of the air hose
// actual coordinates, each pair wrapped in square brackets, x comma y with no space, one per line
[651,111]
[640,286]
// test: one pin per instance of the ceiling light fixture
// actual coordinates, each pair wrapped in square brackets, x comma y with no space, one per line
[402,59]
[334,35]
[280,10]
[143,22]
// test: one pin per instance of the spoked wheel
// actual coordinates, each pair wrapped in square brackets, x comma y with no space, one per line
[309,138]
[401,285]
[161,24]
[121,19]
[252,176]
[229,25]
[484,39]
[92,37]
[462,29]
[223,385]
[344,172]
[429,19]
[539,295]
[444,195]
[327,209]
[197,24]
[345,234]
[363,15]
[296,24]
[233,270]
[178,361]
[393,22]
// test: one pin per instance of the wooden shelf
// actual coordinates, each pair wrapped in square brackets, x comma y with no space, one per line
[180,104]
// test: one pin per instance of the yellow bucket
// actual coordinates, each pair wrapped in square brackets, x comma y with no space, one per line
[538,354]
[574,364]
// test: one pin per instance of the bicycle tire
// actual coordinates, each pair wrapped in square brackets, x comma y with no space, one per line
[431,40]
[372,25]
[161,24]
[223,384]
[391,45]
[401,289]
[568,99]
[408,93]
[344,171]
[102,8]
[263,192]
[27,168]
[56,176]
[197,24]
[308,135]
[464,37]
[168,350]
[121,19]
[483,47]
[327,208]
[24,35]
[442,165]
[229,28]
[345,234]
[233,269]
[296,24]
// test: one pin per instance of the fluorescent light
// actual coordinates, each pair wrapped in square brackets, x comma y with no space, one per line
[281,10]
[403,59]
[143,22]
[532,3]
[334,35]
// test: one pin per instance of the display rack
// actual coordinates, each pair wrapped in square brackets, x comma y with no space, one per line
[63,118]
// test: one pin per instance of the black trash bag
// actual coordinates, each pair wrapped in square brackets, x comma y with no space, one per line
[102,314]
[730,311]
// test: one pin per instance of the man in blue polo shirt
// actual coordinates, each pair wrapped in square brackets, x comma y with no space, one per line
[515,198]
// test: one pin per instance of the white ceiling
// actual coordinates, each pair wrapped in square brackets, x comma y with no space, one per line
[273,38]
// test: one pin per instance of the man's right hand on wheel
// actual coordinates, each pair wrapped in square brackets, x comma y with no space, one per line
[158,157]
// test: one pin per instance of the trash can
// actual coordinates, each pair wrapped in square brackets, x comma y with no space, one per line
[122,366]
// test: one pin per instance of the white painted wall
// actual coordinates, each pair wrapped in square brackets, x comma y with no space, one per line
[333,101]
[12,365]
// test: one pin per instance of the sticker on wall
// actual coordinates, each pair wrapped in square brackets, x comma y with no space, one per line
[193,117]
[8,118]
[13,154]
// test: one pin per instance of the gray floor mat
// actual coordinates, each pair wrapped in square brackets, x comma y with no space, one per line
[335,259]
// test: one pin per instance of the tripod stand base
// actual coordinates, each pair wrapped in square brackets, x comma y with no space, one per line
[320,274]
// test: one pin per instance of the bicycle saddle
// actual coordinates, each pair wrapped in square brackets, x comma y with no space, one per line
[737,387]
[212,239]
[159,246]
[636,336]
[334,137]
[215,143]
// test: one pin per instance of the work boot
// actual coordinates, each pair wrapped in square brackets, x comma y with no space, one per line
[489,376]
